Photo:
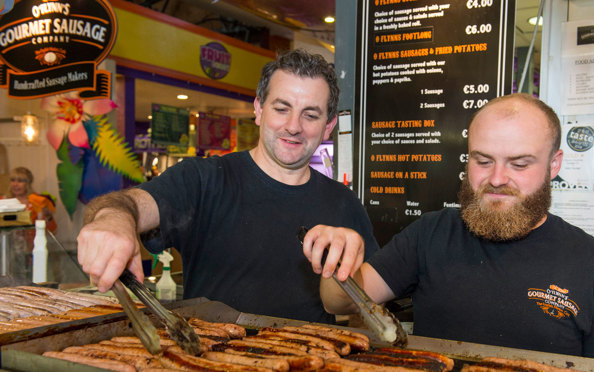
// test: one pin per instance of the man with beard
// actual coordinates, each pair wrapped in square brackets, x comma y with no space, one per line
[501,270]
[234,218]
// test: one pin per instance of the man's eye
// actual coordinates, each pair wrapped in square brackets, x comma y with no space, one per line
[280,109]
[312,116]
[519,165]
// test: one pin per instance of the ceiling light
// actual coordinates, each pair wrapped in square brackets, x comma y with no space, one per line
[182,96]
[30,128]
[532,21]
[329,19]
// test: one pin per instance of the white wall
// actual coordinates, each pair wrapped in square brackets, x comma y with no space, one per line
[41,159]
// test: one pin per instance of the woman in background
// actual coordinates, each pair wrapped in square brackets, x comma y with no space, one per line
[41,206]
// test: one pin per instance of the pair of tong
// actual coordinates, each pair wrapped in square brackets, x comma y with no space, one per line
[379,320]
[177,326]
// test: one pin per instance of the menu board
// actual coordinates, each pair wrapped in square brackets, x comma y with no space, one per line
[169,125]
[426,67]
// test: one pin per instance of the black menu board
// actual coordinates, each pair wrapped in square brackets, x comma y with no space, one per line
[425,67]
[169,125]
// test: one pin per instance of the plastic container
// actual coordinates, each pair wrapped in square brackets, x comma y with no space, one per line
[166,287]
[40,253]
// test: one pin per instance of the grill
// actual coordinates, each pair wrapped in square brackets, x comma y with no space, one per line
[20,350]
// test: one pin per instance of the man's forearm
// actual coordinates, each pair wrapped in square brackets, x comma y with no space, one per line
[118,200]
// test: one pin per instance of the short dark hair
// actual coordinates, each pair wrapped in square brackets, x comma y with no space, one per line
[552,118]
[303,64]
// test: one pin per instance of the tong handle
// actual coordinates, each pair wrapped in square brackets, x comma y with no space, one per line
[141,324]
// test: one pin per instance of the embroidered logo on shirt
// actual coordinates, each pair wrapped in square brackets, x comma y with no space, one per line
[554,301]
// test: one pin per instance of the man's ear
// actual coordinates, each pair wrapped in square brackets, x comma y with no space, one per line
[257,110]
[556,161]
[329,127]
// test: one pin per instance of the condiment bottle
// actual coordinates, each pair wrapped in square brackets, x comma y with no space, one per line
[40,253]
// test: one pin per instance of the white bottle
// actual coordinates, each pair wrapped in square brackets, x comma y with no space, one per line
[40,253]
[166,287]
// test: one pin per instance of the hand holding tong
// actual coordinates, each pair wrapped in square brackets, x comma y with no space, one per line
[381,322]
[177,326]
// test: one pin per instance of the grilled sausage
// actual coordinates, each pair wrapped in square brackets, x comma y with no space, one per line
[185,361]
[341,348]
[357,341]
[112,365]
[297,344]
[233,330]
[519,365]
[136,341]
[345,365]
[449,363]
[120,348]
[262,345]
[338,330]
[281,365]
[300,362]
[138,362]
[395,360]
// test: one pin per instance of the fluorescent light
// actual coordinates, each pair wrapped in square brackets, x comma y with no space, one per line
[532,21]
[329,19]
[182,96]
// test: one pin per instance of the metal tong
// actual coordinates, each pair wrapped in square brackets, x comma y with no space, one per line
[381,322]
[177,326]
[143,327]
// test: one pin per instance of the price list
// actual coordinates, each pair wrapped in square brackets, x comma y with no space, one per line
[426,67]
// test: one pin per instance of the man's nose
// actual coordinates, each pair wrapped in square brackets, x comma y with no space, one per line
[499,176]
[293,124]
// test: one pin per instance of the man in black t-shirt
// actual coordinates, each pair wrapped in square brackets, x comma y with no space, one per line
[501,270]
[234,218]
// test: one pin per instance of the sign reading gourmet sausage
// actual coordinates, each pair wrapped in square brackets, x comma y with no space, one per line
[48,47]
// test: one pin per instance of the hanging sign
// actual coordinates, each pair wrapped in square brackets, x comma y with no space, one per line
[215,60]
[427,66]
[50,47]
[214,131]
[170,125]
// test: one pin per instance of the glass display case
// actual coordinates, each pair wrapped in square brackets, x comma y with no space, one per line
[16,260]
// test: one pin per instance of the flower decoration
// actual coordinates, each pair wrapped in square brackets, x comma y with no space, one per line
[70,111]
[93,155]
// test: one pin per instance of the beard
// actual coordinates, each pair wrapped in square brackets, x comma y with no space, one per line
[486,220]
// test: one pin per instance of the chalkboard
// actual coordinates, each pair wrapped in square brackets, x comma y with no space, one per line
[426,67]
[169,125]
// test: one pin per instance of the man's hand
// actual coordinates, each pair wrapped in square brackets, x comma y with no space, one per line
[107,245]
[344,246]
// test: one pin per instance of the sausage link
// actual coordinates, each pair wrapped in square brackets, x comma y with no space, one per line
[112,365]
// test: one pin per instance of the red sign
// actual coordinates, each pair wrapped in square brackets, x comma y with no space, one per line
[214,131]
[50,47]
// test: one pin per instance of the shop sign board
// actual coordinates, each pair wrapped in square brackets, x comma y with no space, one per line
[50,47]
[215,60]
[170,125]
[425,67]
[214,131]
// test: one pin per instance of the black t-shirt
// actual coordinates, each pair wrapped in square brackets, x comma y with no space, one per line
[536,293]
[236,230]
